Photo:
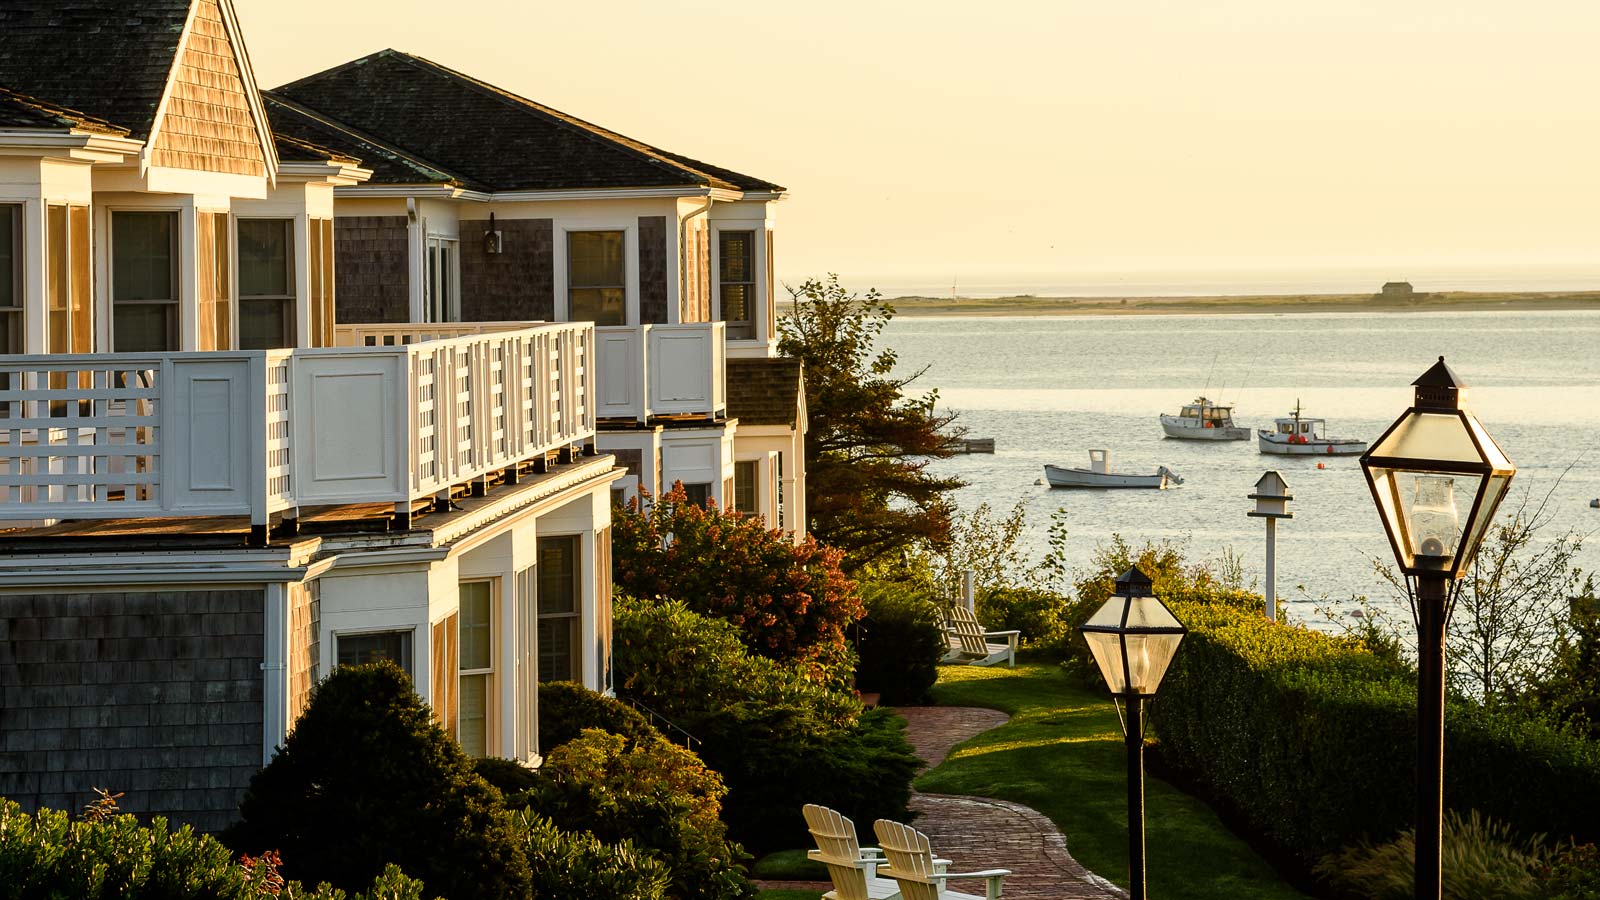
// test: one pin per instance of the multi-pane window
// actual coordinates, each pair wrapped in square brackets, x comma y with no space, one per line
[736,282]
[442,303]
[746,495]
[477,666]
[360,649]
[266,283]
[214,292]
[595,277]
[560,609]
[144,281]
[68,317]
[10,279]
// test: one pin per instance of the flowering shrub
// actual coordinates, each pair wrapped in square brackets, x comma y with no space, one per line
[107,855]
[790,601]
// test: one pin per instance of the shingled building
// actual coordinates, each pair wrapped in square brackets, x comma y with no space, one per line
[485,206]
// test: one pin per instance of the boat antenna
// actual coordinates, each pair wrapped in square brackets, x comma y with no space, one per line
[1238,392]
[1213,368]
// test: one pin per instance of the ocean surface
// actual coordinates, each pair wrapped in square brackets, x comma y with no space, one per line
[1048,390]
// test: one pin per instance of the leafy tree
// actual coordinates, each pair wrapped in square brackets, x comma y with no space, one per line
[367,778]
[790,601]
[868,488]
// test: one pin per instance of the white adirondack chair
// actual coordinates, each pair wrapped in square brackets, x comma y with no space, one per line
[970,644]
[852,868]
[912,866]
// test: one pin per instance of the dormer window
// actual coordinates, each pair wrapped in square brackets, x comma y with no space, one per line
[736,282]
[144,281]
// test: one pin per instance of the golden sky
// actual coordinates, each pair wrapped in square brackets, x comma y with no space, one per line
[1023,136]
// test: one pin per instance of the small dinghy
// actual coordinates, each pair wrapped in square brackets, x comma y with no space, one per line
[1099,475]
[1296,435]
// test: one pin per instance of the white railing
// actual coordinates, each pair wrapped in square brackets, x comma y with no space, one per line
[258,432]
[662,370]
[396,334]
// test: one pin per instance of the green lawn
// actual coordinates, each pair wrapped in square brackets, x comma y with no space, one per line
[1062,754]
[789,865]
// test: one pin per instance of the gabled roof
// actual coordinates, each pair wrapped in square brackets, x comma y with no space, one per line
[108,58]
[388,164]
[295,150]
[21,111]
[489,136]
[765,391]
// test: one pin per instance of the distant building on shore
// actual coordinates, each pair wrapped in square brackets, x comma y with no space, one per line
[1397,290]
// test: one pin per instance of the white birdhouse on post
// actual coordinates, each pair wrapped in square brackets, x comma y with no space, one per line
[1272,503]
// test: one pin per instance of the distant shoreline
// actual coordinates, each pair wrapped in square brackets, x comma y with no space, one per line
[1277,304]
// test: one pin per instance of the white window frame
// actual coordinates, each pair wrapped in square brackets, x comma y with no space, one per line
[578,655]
[19,312]
[409,630]
[491,718]
[291,260]
[630,267]
[436,308]
[185,221]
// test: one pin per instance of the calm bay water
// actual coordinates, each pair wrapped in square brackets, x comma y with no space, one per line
[1050,389]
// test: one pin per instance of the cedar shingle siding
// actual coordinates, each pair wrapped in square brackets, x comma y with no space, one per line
[208,124]
[157,695]
[765,391]
[516,284]
[652,269]
[370,269]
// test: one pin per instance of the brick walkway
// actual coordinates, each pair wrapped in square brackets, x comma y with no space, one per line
[979,833]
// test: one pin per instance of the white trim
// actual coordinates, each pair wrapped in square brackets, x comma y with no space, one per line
[629,226]
[334,172]
[448,192]
[275,655]
[166,90]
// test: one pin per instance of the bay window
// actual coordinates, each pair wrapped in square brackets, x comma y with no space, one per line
[266,284]
[68,309]
[360,649]
[144,281]
[214,291]
[596,276]
[746,495]
[321,283]
[736,282]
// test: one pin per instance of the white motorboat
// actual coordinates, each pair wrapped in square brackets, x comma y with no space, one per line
[1203,420]
[1297,435]
[1099,475]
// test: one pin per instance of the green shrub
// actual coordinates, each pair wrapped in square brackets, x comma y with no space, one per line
[1312,738]
[104,856]
[581,867]
[367,777]
[1480,859]
[899,643]
[1041,616]
[1572,874]
[779,739]
[566,709]
[507,775]
[659,796]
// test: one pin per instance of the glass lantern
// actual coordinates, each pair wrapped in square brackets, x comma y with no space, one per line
[1133,637]
[1437,478]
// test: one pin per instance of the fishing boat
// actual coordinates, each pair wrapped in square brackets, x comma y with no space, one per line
[1099,475]
[1203,420]
[1298,435]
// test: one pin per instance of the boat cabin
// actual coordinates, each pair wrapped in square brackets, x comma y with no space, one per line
[1296,426]
[1208,415]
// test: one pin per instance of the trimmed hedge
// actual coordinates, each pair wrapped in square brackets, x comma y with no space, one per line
[567,708]
[1312,740]
[899,644]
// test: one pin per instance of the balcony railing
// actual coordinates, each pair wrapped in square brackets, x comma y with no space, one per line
[252,433]
[646,371]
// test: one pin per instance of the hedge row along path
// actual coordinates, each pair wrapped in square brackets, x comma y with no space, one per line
[980,833]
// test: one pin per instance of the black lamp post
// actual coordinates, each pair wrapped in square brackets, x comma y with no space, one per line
[1133,637]
[1433,463]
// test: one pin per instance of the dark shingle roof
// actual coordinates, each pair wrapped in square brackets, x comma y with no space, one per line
[21,111]
[296,150]
[765,391]
[389,164]
[110,58]
[489,136]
